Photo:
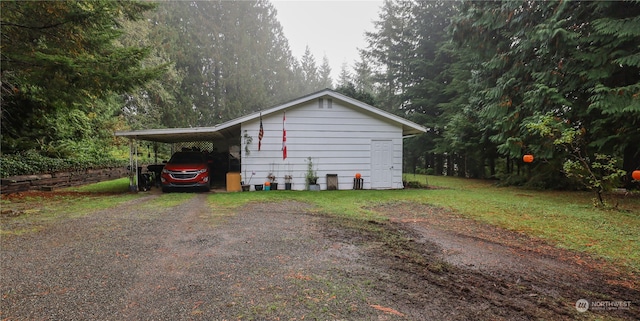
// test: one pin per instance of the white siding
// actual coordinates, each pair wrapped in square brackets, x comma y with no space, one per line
[338,140]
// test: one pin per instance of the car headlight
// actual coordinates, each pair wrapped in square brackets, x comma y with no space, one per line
[166,171]
[200,171]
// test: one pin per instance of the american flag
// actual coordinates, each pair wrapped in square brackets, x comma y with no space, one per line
[260,134]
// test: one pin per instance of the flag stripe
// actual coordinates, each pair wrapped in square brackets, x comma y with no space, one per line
[284,137]
[260,134]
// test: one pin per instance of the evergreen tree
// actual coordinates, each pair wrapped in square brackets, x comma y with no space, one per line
[544,58]
[325,74]
[153,105]
[390,48]
[350,90]
[345,76]
[233,54]
[311,77]
[427,95]
[363,75]
[482,83]
[60,60]
[612,70]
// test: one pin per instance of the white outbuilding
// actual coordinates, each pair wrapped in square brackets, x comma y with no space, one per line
[339,135]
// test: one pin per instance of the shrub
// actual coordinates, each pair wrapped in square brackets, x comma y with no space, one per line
[31,162]
[414,184]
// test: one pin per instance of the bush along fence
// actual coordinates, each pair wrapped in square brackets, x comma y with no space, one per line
[48,182]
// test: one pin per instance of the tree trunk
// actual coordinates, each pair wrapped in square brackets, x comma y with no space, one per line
[630,163]
[427,160]
[430,163]
[439,166]
[450,158]
[462,165]
[492,167]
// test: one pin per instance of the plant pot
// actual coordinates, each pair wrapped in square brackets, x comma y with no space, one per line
[245,188]
[274,186]
[287,186]
[257,187]
[314,187]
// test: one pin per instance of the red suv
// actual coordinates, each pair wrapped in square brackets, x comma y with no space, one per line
[186,170]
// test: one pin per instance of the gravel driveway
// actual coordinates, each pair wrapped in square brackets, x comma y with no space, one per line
[140,263]
[266,262]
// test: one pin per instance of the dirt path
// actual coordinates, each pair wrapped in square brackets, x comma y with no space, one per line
[277,262]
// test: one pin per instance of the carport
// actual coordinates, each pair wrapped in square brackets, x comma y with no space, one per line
[222,140]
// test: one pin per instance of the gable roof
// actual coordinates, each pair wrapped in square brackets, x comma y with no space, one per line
[226,129]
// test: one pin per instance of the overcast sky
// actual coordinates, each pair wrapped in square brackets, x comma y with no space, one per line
[332,28]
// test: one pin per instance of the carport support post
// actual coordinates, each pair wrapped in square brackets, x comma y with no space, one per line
[133,166]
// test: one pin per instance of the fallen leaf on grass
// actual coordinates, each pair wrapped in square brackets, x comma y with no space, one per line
[298,276]
[386,310]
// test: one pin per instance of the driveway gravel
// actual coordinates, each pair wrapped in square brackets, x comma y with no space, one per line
[283,262]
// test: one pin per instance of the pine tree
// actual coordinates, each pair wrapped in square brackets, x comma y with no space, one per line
[612,72]
[325,74]
[389,50]
[344,77]
[551,58]
[234,56]
[363,76]
[61,59]
[311,77]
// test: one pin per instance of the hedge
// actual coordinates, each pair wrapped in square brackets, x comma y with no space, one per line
[32,163]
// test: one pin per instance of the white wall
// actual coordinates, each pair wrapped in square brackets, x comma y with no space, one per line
[338,140]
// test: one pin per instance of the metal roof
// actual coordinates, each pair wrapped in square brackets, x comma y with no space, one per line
[232,128]
[176,135]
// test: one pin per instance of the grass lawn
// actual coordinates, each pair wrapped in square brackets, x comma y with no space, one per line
[41,208]
[566,219]
[120,185]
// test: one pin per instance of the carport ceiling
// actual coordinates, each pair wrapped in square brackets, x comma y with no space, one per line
[176,135]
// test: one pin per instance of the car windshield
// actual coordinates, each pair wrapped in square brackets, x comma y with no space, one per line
[187,158]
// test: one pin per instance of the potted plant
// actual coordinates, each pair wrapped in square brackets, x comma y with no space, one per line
[248,139]
[258,187]
[273,181]
[247,186]
[287,182]
[312,177]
